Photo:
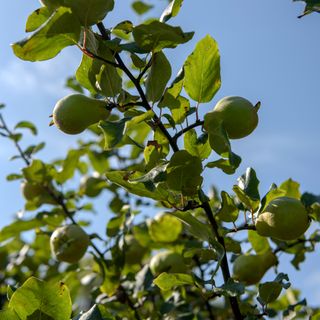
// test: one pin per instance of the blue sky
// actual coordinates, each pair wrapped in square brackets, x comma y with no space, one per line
[267,54]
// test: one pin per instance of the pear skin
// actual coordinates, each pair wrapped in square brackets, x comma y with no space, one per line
[250,269]
[167,261]
[74,113]
[238,115]
[284,219]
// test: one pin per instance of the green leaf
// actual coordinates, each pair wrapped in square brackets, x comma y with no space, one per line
[228,211]
[184,173]
[171,10]
[269,291]
[38,172]
[311,6]
[273,193]
[155,36]
[37,18]
[114,225]
[291,189]
[197,146]
[194,226]
[249,183]
[259,244]
[141,7]
[228,166]
[113,132]
[87,71]
[202,71]
[61,30]
[69,165]
[19,226]
[169,98]
[164,228]
[158,77]
[121,178]
[27,125]
[90,12]
[108,80]
[49,298]
[218,137]
[8,315]
[180,112]
[230,289]
[137,118]
[167,281]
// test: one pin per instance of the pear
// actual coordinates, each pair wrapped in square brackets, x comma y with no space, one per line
[249,269]
[283,218]
[69,243]
[74,113]
[239,117]
[37,192]
[167,261]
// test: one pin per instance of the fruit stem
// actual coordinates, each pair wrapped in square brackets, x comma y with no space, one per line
[224,263]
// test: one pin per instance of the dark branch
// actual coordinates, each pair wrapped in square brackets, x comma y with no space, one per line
[224,263]
[242,227]
[186,129]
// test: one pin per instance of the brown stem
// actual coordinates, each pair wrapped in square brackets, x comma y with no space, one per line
[224,263]
[10,134]
[191,126]
[208,306]
[242,227]
[136,83]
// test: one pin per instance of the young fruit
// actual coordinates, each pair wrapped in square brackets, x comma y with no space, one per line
[249,269]
[167,261]
[239,117]
[69,243]
[133,250]
[74,113]
[283,218]
[36,192]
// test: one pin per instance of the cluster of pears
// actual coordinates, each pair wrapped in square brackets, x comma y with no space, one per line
[237,115]
[69,243]
[284,218]
[76,112]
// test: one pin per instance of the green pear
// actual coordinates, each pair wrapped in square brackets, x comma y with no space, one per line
[37,192]
[133,250]
[74,113]
[239,117]
[283,218]
[249,269]
[167,261]
[69,243]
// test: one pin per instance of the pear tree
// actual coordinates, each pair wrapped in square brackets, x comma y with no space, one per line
[144,147]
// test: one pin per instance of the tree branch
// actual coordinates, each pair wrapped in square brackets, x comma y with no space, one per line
[224,263]
[186,129]
[242,227]
[136,83]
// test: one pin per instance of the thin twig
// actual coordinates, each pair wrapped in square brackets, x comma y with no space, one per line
[242,227]
[186,129]
[224,263]
[10,134]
